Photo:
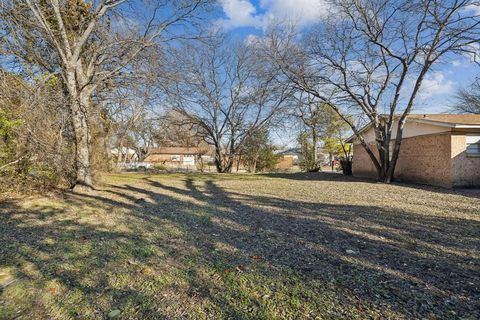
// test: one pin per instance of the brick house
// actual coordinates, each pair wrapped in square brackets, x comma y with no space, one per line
[288,158]
[437,149]
[179,155]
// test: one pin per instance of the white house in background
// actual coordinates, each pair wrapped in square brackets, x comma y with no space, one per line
[180,155]
[124,154]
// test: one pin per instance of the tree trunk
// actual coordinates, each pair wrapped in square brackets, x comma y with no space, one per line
[238,162]
[396,151]
[223,166]
[218,159]
[82,142]
[229,165]
[79,110]
[223,163]
[120,154]
[105,139]
[200,162]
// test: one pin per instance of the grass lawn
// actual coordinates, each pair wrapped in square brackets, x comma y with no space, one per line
[291,246]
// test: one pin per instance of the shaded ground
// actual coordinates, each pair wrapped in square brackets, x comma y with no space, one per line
[207,246]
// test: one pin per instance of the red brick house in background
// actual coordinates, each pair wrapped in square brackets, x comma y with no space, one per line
[179,155]
[437,149]
[288,158]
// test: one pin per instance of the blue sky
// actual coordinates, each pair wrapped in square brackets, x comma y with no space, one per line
[245,17]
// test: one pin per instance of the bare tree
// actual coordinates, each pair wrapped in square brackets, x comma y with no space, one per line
[317,121]
[87,43]
[136,105]
[371,58]
[175,130]
[468,99]
[134,108]
[226,92]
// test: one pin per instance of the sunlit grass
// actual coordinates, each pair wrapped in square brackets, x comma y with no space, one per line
[240,247]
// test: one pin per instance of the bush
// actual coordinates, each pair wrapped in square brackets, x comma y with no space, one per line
[308,150]
[309,165]
[36,144]
[160,167]
[259,152]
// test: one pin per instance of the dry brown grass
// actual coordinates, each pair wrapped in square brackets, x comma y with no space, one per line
[287,246]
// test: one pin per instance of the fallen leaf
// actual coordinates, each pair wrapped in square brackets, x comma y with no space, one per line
[146,270]
[114,313]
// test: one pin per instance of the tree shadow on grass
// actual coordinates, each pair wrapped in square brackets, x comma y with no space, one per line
[314,176]
[425,262]
[63,267]
[338,177]
[238,255]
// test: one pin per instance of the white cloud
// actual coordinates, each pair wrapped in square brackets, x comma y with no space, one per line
[251,39]
[475,8]
[473,52]
[243,13]
[456,63]
[436,85]
[299,12]
[239,13]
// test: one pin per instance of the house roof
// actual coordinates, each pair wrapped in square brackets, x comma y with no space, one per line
[289,152]
[444,120]
[123,150]
[180,150]
[453,119]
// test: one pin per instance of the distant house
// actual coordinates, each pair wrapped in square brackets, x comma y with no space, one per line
[437,149]
[288,158]
[292,157]
[125,155]
[179,155]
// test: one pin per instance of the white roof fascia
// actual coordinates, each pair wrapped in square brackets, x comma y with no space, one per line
[432,122]
[467,126]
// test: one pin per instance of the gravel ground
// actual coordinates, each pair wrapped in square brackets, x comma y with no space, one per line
[291,246]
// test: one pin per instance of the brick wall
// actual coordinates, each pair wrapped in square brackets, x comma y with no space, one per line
[158,158]
[362,165]
[423,159]
[465,169]
[286,162]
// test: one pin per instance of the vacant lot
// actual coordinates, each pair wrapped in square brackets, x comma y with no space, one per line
[209,246]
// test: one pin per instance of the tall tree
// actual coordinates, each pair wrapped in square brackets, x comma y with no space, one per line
[371,58]
[87,43]
[223,89]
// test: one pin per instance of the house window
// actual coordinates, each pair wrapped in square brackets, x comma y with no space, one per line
[175,158]
[473,144]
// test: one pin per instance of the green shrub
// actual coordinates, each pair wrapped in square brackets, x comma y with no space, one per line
[308,162]
[160,167]
[259,152]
